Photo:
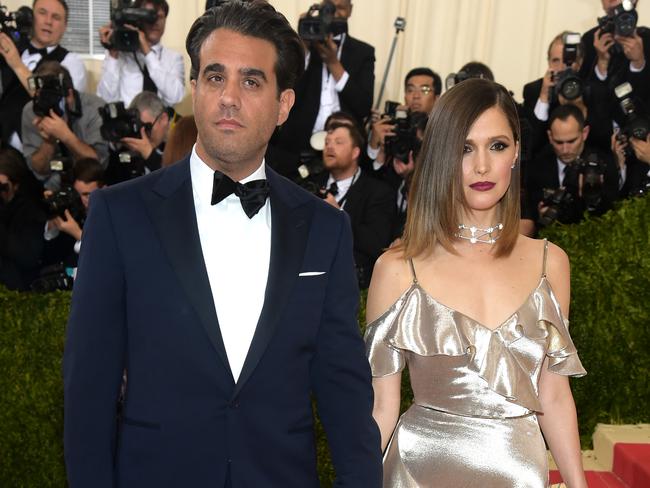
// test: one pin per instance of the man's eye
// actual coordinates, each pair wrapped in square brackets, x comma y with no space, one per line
[215,78]
[251,83]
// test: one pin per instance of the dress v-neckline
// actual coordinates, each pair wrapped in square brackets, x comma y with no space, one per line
[542,279]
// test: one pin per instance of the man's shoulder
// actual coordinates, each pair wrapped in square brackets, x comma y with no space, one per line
[166,180]
[358,45]
[370,185]
[91,100]
[534,85]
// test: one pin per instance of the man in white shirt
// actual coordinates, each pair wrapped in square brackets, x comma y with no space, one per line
[228,295]
[152,67]
[50,23]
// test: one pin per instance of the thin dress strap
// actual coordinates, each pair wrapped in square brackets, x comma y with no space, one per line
[415,278]
[544,260]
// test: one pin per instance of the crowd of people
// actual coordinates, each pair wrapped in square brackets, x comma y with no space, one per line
[584,124]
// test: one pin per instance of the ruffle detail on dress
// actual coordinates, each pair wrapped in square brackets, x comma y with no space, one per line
[508,358]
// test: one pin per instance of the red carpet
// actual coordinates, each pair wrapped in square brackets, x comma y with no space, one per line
[595,479]
[632,464]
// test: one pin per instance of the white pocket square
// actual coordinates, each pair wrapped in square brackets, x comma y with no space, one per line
[312,273]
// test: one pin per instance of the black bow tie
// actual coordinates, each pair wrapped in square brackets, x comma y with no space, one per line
[34,50]
[252,195]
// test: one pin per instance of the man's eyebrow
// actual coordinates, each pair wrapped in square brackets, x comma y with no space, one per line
[220,68]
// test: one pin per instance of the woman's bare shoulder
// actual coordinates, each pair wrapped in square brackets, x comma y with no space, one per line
[391,277]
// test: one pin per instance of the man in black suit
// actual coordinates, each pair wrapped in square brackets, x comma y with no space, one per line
[339,75]
[226,311]
[613,59]
[370,203]
[558,166]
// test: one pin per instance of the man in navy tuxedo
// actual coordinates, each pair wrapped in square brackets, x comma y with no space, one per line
[226,311]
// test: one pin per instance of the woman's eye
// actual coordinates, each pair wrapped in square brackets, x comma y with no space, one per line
[467,149]
[499,146]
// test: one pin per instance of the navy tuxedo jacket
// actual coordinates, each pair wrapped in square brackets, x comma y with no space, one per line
[142,303]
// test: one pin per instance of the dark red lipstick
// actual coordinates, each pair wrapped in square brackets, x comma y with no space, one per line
[482,185]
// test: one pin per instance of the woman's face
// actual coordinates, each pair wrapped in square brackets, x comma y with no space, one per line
[488,156]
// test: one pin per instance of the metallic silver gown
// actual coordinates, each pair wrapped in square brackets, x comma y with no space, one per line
[473,422]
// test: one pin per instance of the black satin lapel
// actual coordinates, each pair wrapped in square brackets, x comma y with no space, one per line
[175,220]
[289,230]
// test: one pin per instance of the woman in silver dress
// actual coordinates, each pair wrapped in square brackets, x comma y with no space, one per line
[477,312]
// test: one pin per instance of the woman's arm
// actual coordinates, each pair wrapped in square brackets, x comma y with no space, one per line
[559,421]
[386,408]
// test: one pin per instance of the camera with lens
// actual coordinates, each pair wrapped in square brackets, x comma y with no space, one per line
[119,122]
[406,138]
[65,199]
[123,38]
[558,203]
[591,171]
[49,94]
[567,82]
[17,25]
[53,278]
[636,123]
[622,22]
[320,22]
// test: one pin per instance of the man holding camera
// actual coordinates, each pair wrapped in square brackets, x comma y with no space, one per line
[368,202]
[587,179]
[137,155]
[144,65]
[614,51]
[50,22]
[340,75]
[60,125]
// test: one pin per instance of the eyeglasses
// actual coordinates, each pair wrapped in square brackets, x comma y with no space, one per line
[148,126]
[424,89]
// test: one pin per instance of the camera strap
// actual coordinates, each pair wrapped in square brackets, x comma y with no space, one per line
[343,199]
[147,83]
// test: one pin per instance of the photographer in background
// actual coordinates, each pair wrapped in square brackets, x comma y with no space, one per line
[615,53]
[18,61]
[148,66]
[569,178]
[140,154]
[63,231]
[368,202]
[340,75]
[21,223]
[60,125]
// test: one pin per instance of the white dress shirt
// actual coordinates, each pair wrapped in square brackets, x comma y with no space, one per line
[122,78]
[72,62]
[237,252]
[343,186]
[330,89]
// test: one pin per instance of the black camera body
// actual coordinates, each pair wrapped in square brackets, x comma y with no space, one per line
[622,22]
[17,25]
[320,22]
[119,122]
[558,202]
[65,199]
[53,278]
[406,137]
[49,94]
[591,169]
[125,39]
[636,122]
[567,82]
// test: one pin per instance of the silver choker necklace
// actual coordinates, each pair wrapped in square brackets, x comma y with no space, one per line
[476,234]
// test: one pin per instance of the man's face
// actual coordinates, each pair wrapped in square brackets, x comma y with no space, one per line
[343,8]
[235,99]
[49,23]
[84,190]
[154,32]
[419,94]
[7,189]
[567,139]
[339,153]
[159,126]
[555,59]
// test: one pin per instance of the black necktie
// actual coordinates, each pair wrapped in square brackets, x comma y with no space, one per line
[334,188]
[34,50]
[252,194]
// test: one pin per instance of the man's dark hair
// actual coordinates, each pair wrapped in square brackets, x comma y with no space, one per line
[355,134]
[563,112]
[157,5]
[54,68]
[255,18]
[13,166]
[63,3]
[476,69]
[437,81]
[340,117]
[88,170]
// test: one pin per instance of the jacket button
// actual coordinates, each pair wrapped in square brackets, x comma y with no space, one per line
[234,404]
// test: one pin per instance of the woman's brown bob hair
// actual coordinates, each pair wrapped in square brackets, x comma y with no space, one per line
[436,196]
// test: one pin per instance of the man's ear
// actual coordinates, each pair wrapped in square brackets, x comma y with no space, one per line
[287,99]
[585,132]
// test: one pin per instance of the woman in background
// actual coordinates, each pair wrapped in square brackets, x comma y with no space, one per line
[477,311]
[180,140]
